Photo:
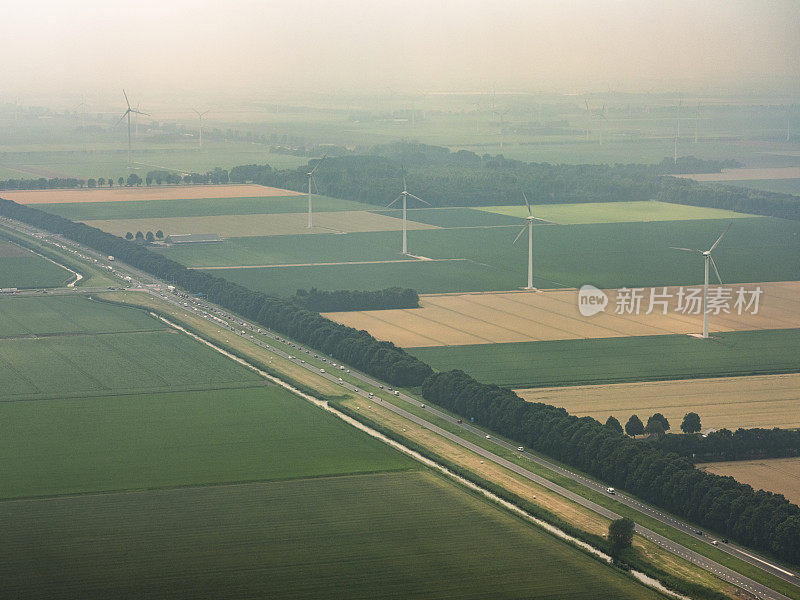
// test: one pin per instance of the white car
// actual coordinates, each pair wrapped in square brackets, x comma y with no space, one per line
[520,448]
[322,370]
[488,437]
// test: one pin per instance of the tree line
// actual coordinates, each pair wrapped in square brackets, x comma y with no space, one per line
[358,348]
[762,520]
[345,300]
[724,444]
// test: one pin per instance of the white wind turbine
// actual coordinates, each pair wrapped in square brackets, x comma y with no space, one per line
[200,116]
[405,195]
[127,113]
[310,175]
[529,226]
[707,258]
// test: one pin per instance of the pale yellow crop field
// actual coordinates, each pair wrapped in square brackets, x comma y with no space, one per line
[779,475]
[521,316]
[732,402]
[135,194]
[261,225]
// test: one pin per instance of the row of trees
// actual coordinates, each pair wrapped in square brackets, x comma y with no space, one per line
[342,300]
[358,348]
[760,519]
[742,444]
[149,236]
[657,424]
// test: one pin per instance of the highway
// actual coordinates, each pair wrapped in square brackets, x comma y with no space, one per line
[132,277]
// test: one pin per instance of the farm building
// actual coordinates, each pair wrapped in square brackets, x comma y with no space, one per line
[193,238]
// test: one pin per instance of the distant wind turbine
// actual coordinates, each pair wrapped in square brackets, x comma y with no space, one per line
[200,116]
[529,226]
[310,175]
[677,132]
[405,195]
[127,113]
[707,259]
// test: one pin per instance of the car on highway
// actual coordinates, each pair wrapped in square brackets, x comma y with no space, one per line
[611,491]
[520,448]
[488,437]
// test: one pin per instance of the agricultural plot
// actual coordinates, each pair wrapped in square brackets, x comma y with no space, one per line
[607,255]
[196,207]
[762,401]
[616,360]
[454,217]
[747,174]
[144,441]
[779,475]
[139,194]
[489,318]
[21,268]
[615,212]
[368,536]
[261,225]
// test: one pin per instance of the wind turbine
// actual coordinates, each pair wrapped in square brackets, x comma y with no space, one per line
[677,131]
[707,258]
[588,117]
[405,195]
[310,175]
[530,218]
[200,116]
[127,113]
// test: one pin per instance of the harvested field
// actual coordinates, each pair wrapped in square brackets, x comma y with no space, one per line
[262,225]
[488,318]
[779,475]
[167,192]
[760,401]
[745,174]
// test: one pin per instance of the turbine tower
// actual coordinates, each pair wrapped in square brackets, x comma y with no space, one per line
[707,258]
[529,226]
[310,175]
[127,113]
[405,195]
[200,116]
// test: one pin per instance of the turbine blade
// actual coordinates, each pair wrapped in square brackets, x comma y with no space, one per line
[686,249]
[528,204]
[395,200]
[138,112]
[314,183]
[128,102]
[713,264]
[125,114]
[720,237]
[521,231]
[316,166]
[420,199]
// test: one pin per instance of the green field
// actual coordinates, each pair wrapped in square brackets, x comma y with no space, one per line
[607,255]
[21,268]
[137,441]
[454,217]
[197,207]
[615,212]
[612,360]
[781,186]
[395,535]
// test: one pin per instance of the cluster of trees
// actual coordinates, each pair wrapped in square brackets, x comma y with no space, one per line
[763,520]
[358,348]
[41,183]
[149,236]
[463,178]
[724,444]
[342,300]
[657,424]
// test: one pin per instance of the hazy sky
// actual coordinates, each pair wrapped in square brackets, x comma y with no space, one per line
[695,46]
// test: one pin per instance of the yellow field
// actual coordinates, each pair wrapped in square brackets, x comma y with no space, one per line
[261,225]
[123,194]
[498,317]
[745,174]
[731,402]
[779,475]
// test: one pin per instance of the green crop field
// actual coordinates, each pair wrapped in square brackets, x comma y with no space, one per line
[21,268]
[615,212]
[392,535]
[573,362]
[454,217]
[137,441]
[608,255]
[67,346]
[197,207]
